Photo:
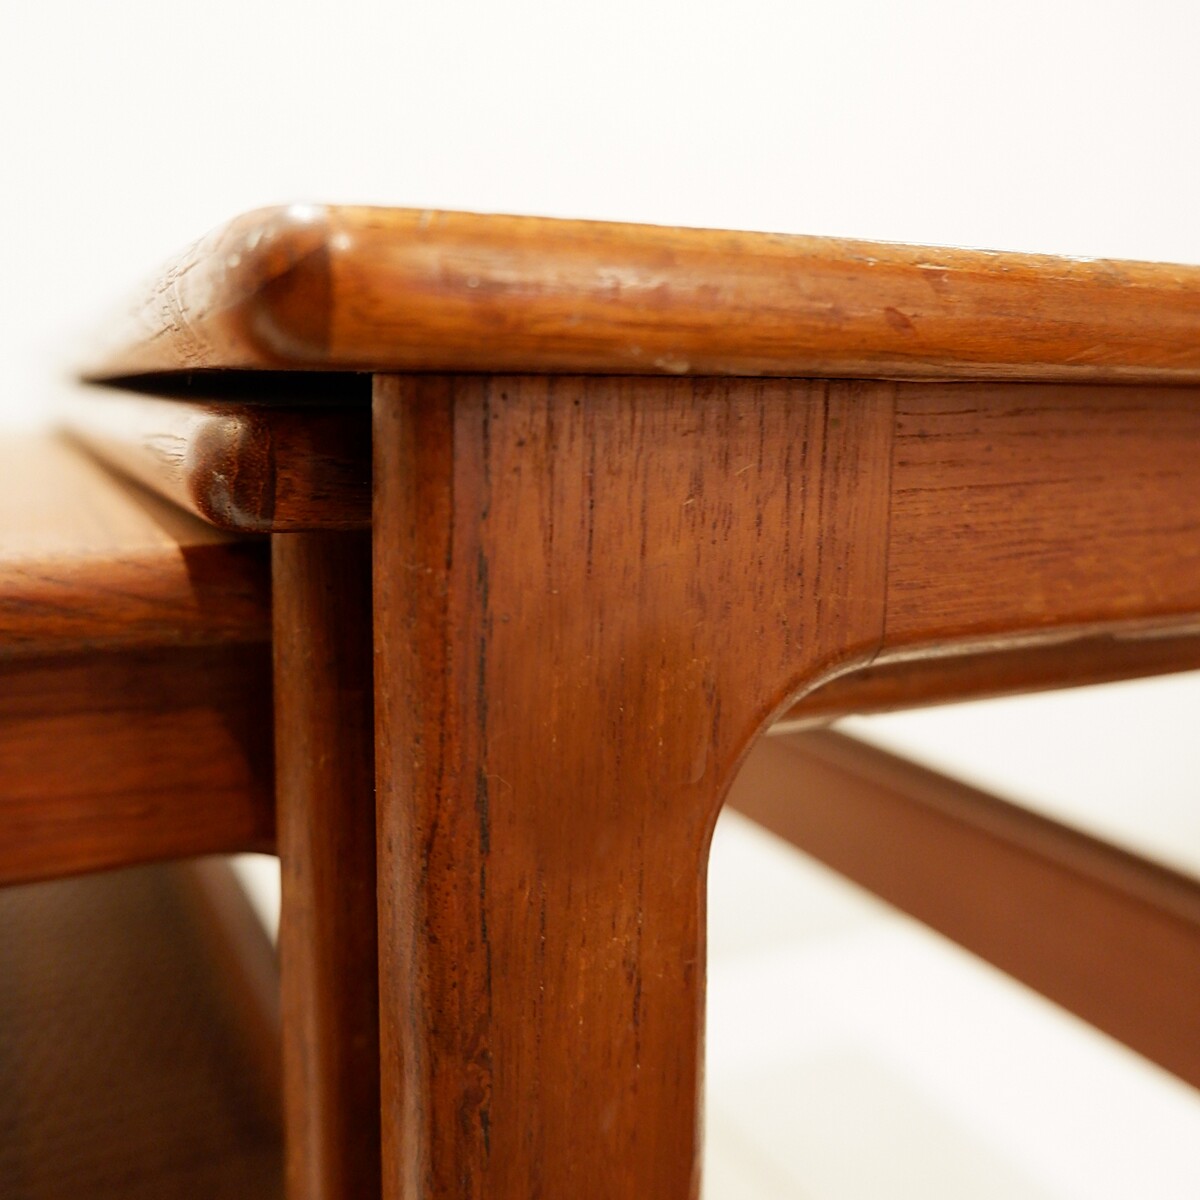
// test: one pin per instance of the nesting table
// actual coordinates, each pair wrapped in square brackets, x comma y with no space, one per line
[563,517]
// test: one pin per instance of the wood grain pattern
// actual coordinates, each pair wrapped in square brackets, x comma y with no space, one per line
[1113,938]
[324,738]
[591,594]
[568,574]
[125,757]
[395,289]
[252,468]
[1043,510]
[89,562]
[593,588]
[1039,535]
[135,691]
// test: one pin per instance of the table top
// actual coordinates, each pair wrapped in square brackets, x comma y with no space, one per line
[380,289]
[88,561]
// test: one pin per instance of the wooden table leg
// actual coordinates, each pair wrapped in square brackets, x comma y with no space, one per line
[590,596]
[326,838]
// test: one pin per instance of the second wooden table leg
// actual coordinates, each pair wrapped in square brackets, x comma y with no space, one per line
[326,837]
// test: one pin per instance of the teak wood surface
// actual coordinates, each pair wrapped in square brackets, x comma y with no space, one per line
[376,289]
[325,781]
[643,573]
[88,563]
[975,674]
[135,677]
[568,574]
[929,473]
[247,468]
[133,756]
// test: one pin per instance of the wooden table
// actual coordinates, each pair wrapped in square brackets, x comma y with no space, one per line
[634,493]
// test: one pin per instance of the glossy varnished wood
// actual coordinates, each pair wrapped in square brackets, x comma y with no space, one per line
[88,562]
[590,595]
[324,739]
[594,588]
[1038,535]
[396,289]
[1111,937]
[135,688]
[135,669]
[242,467]
[124,757]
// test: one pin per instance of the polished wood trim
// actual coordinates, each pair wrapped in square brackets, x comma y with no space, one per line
[90,562]
[976,674]
[1111,937]
[118,758]
[590,596]
[403,289]
[243,965]
[242,467]
[324,739]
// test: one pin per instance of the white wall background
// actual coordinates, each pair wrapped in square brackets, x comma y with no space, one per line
[128,127]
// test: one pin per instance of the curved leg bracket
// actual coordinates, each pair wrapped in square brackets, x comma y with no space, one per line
[591,594]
